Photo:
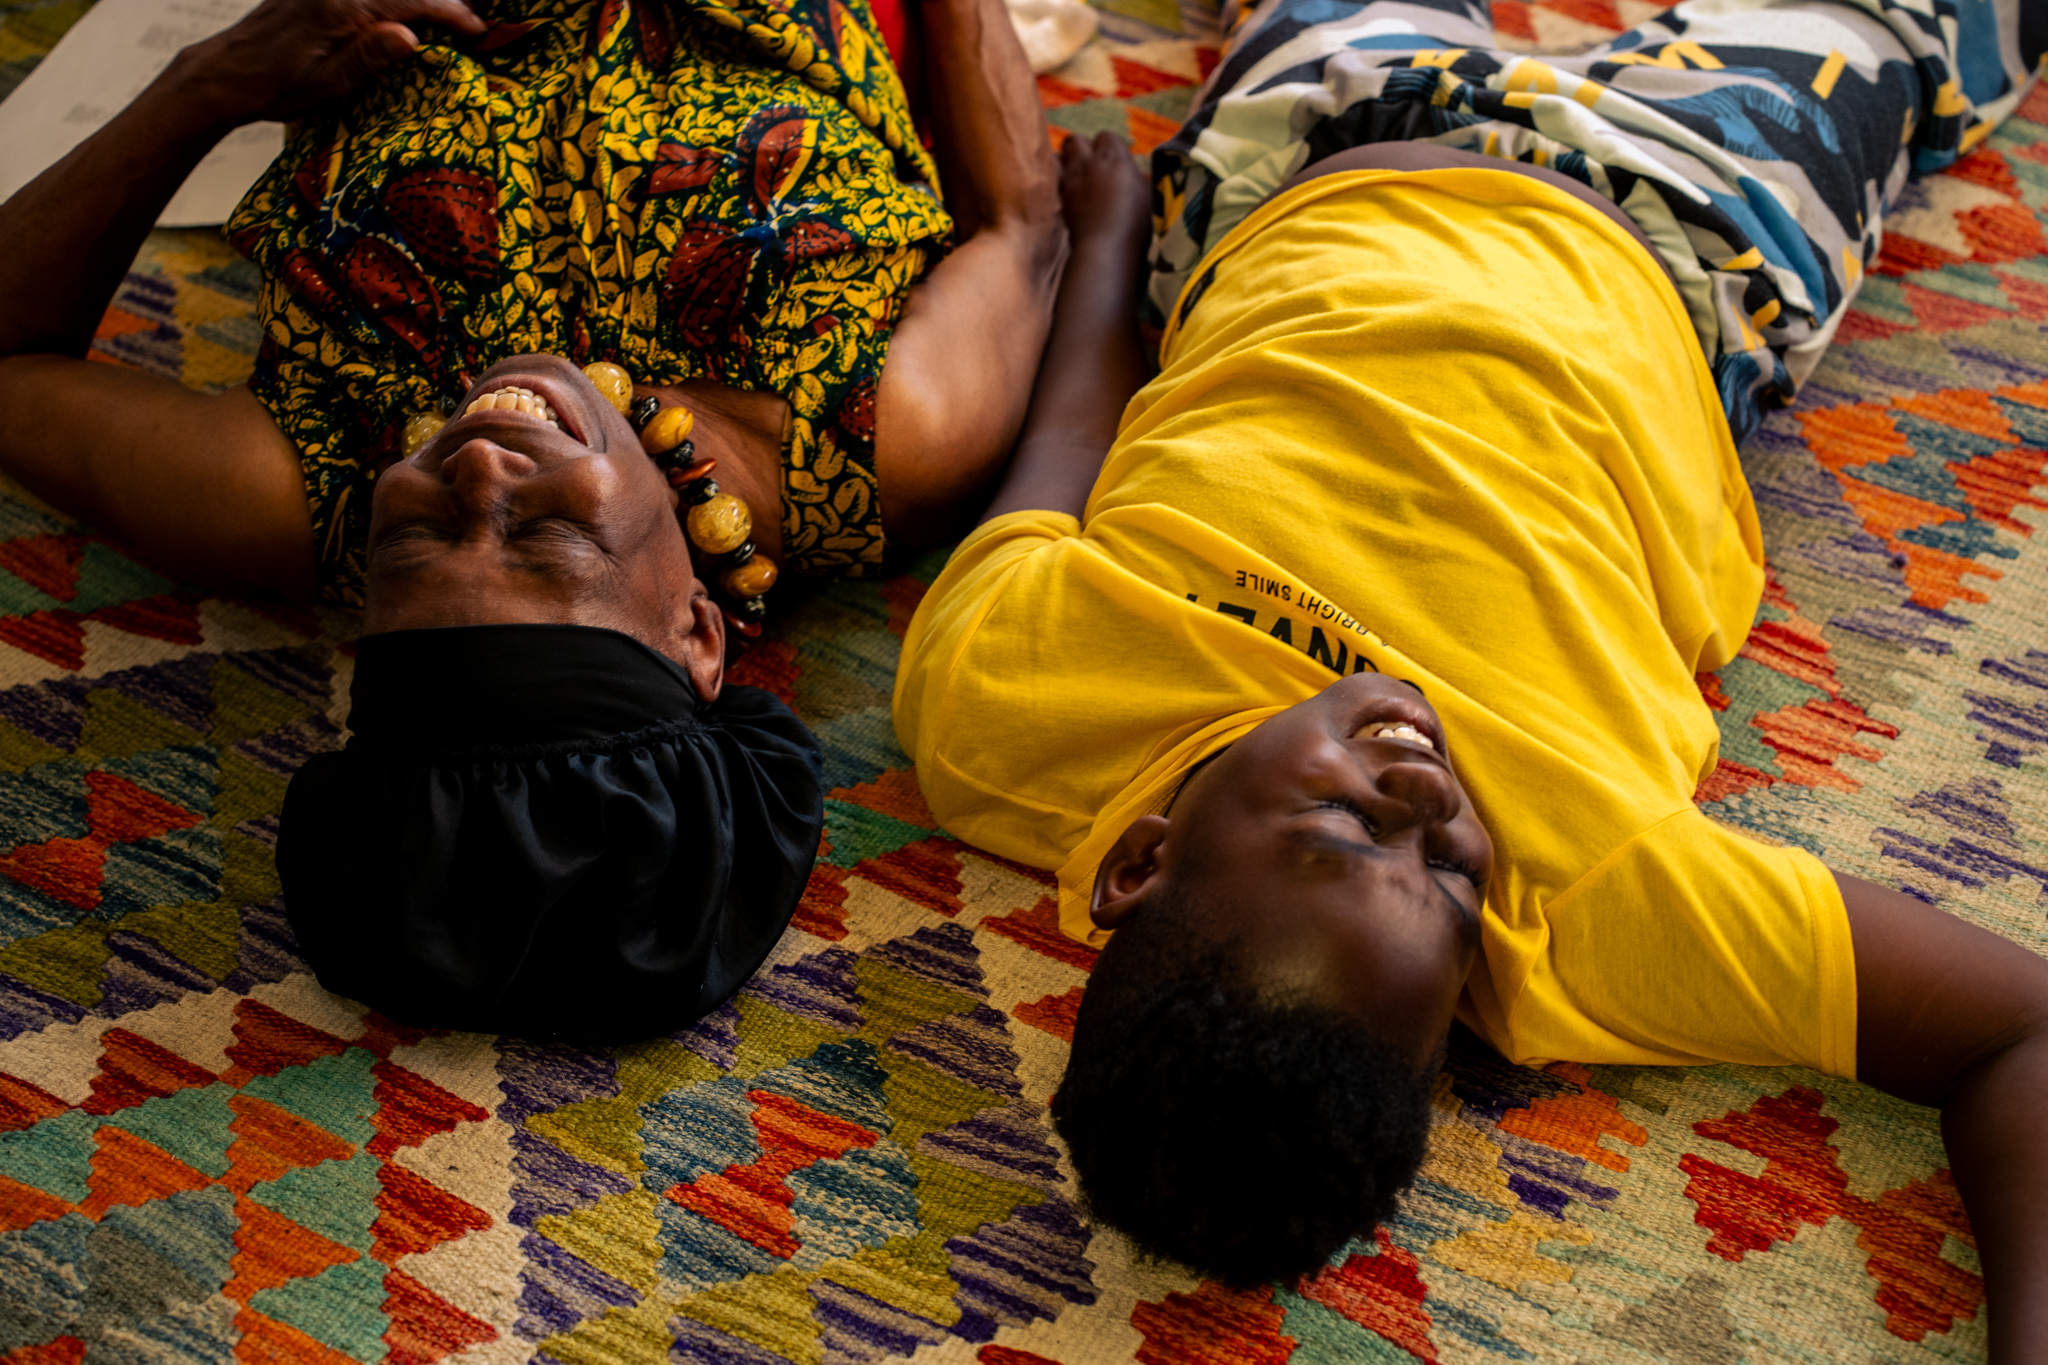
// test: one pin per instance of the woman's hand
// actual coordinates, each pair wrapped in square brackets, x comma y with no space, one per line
[288,56]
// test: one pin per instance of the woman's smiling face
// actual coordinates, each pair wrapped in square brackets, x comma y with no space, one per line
[505,516]
[1336,846]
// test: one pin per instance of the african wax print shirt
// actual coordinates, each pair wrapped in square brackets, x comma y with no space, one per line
[719,189]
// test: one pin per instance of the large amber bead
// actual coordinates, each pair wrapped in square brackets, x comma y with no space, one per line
[667,429]
[419,429]
[750,579]
[719,524]
[611,381]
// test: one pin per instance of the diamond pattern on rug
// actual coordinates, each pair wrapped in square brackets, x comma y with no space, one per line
[269,1184]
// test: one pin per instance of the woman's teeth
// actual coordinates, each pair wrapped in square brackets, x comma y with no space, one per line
[1394,729]
[516,400]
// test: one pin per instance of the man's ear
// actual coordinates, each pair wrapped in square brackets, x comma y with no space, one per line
[699,630]
[1132,867]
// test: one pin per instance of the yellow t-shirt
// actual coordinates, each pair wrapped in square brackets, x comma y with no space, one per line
[1454,426]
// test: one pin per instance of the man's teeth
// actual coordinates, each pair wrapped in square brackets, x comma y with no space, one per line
[1394,729]
[515,400]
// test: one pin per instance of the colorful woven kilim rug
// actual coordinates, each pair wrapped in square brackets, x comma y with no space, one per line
[207,1158]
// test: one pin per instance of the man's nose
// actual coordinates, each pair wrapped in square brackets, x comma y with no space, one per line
[1415,795]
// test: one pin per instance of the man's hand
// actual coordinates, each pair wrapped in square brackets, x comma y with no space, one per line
[289,56]
[1952,1015]
[1095,360]
[1104,197]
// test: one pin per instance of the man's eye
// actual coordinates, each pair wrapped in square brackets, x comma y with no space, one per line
[1469,871]
[1355,811]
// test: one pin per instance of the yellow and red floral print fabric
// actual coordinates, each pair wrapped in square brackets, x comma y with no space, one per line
[714,189]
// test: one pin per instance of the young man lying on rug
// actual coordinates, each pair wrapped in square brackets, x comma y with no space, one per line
[552,816]
[1353,691]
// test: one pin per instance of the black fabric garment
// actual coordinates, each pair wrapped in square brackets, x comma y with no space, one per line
[539,830]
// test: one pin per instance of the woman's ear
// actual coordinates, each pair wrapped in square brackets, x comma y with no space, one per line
[1131,868]
[699,631]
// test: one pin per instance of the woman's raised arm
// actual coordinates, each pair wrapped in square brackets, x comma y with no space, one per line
[206,485]
[959,371]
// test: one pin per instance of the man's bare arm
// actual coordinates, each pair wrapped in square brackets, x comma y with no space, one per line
[207,486]
[1094,361]
[1952,1015]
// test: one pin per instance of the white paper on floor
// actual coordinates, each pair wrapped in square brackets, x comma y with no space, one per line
[1052,31]
[104,62]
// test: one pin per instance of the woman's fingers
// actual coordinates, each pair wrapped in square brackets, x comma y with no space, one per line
[373,51]
[391,42]
[290,55]
[453,13]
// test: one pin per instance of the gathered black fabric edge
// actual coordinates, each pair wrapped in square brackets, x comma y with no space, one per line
[482,682]
[542,682]
[710,718]
[661,732]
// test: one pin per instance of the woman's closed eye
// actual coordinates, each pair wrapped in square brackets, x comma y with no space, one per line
[555,547]
[408,545]
[541,531]
[407,532]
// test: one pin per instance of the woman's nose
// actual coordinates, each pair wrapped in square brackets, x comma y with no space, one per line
[482,474]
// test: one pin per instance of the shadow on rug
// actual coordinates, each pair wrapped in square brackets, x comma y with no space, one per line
[205,1157]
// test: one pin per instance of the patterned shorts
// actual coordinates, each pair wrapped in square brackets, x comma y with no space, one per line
[1757,143]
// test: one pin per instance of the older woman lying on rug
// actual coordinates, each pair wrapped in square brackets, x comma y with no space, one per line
[1437,467]
[552,815]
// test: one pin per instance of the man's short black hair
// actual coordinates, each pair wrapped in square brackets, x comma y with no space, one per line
[1245,1136]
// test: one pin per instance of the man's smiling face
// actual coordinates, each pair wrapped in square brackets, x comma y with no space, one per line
[1335,846]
